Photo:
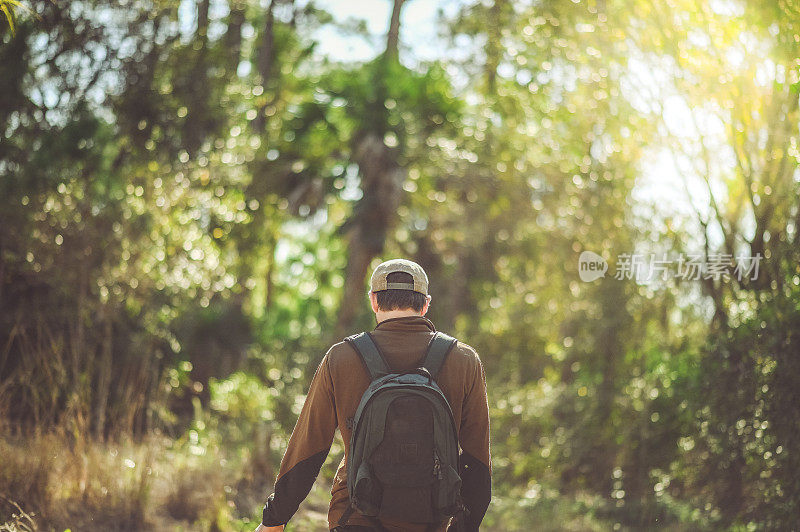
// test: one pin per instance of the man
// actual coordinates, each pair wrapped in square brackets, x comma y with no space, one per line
[399,297]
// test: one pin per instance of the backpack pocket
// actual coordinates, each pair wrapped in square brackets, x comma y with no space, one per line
[449,491]
[410,504]
[367,493]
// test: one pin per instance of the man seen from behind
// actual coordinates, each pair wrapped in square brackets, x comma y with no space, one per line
[403,336]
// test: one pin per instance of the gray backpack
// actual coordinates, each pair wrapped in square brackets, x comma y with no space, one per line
[403,461]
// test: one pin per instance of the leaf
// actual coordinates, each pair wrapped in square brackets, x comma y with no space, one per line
[9,15]
[4,6]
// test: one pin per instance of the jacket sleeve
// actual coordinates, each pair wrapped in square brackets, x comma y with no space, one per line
[308,447]
[475,465]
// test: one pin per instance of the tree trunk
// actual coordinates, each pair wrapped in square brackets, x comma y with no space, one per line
[202,19]
[103,377]
[268,277]
[494,49]
[196,121]
[2,275]
[233,35]
[382,180]
[266,58]
[381,183]
[393,37]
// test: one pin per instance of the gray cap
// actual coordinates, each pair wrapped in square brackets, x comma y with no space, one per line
[379,282]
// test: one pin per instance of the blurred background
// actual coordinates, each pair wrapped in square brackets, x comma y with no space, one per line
[192,195]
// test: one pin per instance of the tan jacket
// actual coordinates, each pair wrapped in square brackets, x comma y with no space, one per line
[336,389]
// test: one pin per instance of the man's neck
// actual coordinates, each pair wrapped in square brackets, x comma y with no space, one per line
[383,315]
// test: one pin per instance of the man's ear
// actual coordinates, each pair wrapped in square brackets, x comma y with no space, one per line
[373,300]
[426,305]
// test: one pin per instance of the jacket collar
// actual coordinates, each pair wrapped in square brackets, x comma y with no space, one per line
[407,324]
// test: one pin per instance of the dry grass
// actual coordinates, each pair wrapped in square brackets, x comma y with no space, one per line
[51,482]
[197,495]
[212,477]
[19,520]
[63,484]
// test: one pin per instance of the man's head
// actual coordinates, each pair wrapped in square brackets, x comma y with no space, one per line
[398,288]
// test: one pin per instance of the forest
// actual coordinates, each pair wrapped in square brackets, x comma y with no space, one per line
[605,195]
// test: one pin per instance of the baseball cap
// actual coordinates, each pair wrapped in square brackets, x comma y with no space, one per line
[379,282]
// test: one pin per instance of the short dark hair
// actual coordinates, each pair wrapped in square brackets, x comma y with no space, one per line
[400,299]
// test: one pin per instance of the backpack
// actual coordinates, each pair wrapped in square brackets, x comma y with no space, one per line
[403,457]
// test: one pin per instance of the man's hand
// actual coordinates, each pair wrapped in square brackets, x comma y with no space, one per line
[262,528]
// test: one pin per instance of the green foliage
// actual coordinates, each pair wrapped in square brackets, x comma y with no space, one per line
[190,197]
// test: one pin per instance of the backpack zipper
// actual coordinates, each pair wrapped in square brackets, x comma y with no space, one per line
[437,466]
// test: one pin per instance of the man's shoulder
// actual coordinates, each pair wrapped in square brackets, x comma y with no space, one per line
[340,350]
[465,352]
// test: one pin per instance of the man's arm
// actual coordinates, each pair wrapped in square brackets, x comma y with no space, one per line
[308,447]
[475,466]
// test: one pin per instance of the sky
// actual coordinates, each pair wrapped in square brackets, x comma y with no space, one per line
[418,28]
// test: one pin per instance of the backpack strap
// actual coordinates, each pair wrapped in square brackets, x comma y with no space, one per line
[440,346]
[370,354]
